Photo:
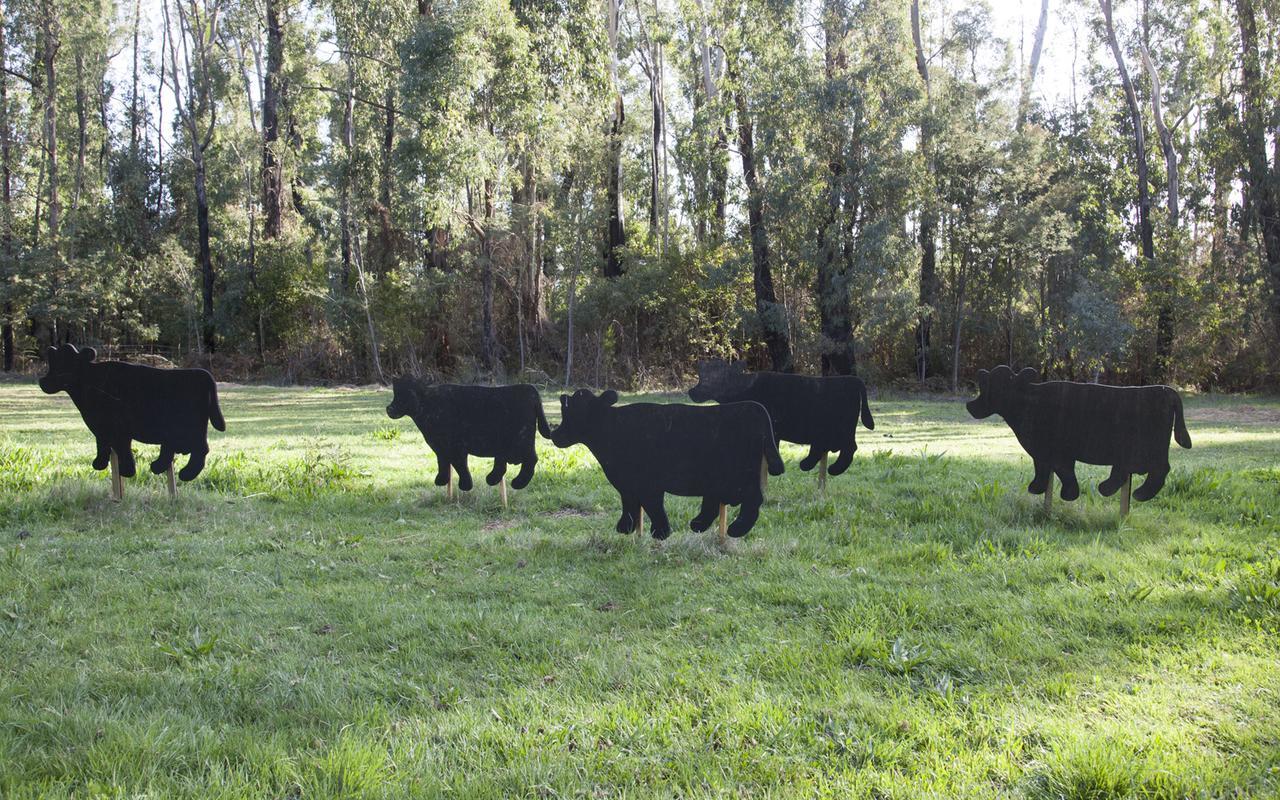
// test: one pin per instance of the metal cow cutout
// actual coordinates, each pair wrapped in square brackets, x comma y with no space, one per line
[648,450]
[820,412]
[1059,423]
[456,421]
[123,402]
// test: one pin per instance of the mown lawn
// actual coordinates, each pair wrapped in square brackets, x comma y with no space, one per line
[313,619]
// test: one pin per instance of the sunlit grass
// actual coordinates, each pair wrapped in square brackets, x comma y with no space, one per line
[312,618]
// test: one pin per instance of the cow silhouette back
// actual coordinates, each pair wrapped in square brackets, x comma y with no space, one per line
[456,421]
[1059,423]
[122,403]
[648,450]
[822,413]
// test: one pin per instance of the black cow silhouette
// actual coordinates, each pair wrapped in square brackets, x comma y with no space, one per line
[820,412]
[647,450]
[125,402]
[489,421]
[1059,423]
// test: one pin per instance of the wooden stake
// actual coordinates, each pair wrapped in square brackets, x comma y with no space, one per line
[1048,496]
[117,483]
[822,473]
[448,473]
[503,486]
[640,523]
[1125,494]
[764,475]
[724,528]
[173,486]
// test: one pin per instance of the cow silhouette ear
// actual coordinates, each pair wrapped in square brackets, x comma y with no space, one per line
[1027,375]
[608,397]
[982,375]
[50,353]
[88,354]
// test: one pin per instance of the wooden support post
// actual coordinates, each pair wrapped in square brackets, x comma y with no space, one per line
[822,473]
[502,486]
[640,523]
[448,473]
[764,475]
[173,486]
[1125,493]
[1048,496]
[117,483]
[724,528]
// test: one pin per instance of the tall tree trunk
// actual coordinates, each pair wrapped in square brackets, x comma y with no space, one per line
[348,173]
[6,187]
[928,228]
[533,303]
[1262,181]
[1028,80]
[48,52]
[773,318]
[1164,281]
[82,130]
[272,175]
[836,344]
[1146,235]
[135,122]
[386,180]
[205,257]
[488,336]
[616,236]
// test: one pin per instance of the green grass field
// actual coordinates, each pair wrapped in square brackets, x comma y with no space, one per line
[313,619]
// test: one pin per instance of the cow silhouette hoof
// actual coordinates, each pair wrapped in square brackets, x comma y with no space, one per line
[101,462]
[128,470]
[807,463]
[1107,488]
[159,466]
[661,533]
[1144,492]
[520,481]
[464,483]
[492,478]
[1037,488]
[698,524]
[625,524]
[1070,493]
[442,479]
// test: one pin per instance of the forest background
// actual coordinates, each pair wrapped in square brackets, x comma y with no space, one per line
[581,191]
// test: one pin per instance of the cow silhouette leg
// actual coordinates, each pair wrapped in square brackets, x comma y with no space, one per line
[747,516]
[525,474]
[659,525]
[103,458]
[163,461]
[630,515]
[1154,483]
[124,454]
[1114,481]
[1042,477]
[843,460]
[442,470]
[194,464]
[811,460]
[706,515]
[464,474]
[1070,486]
[495,475]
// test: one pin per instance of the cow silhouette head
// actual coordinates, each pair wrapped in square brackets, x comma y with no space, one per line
[580,416]
[66,367]
[719,380]
[998,391]
[404,397]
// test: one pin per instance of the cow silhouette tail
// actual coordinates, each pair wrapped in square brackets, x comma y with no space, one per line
[215,412]
[772,458]
[543,427]
[867,421]
[1180,434]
